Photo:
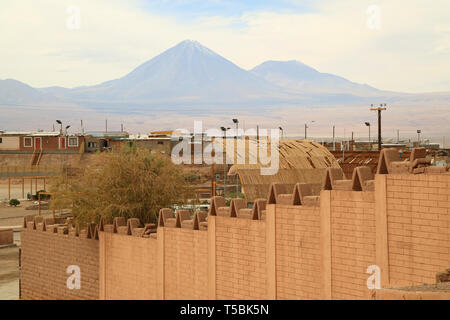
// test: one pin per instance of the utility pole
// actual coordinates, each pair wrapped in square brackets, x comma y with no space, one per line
[213,181]
[334,141]
[224,129]
[257,135]
[379,109]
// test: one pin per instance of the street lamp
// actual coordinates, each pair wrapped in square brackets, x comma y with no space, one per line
[418,137]
[282,132]
[236,122]
[224,159]
[368,124]
[60,123]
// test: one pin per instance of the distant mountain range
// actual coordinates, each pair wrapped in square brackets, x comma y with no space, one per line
[189,75]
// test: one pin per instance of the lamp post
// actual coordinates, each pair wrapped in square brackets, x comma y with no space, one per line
[236,122]
[282,132]
[368,124]
[60,123]
[418,137]
[224,159]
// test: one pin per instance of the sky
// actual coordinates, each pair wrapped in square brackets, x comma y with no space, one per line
[392,45]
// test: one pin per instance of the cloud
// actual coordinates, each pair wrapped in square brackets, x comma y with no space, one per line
[408,53]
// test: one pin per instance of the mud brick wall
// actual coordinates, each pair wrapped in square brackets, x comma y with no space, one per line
[353,243]
[45,258]
[418,226]
[396,294]
[128,267]
[6,236]
[241,271]
[298,255]
[185,264]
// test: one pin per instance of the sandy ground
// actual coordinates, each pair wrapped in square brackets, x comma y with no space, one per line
[9,270]
[16,188]
[9,256]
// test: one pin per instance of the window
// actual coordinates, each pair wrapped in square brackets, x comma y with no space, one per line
[92,144]
[27,142]
[73,142]
[0,140]
[160,142]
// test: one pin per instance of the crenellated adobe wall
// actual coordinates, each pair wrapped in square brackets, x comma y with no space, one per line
[292,245]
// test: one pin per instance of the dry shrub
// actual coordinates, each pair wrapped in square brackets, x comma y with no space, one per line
[132,184]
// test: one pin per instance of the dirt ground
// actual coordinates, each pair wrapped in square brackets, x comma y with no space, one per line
[9,256]
[13,216]
[16,188]
[9,270]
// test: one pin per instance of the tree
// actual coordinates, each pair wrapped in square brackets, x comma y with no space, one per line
[132,184]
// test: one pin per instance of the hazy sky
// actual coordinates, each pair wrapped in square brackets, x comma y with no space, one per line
[407,49]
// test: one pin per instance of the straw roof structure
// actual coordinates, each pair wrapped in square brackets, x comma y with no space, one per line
[300,160]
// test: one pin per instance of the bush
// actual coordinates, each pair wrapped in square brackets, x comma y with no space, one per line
[14,202]
[132,184]
[191,177]
[43,197]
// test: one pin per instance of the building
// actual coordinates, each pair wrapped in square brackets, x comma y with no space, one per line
[40,142]
[98,141]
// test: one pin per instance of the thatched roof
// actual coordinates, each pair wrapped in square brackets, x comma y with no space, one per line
[299,161]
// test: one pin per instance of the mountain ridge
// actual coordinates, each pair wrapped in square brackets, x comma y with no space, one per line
[190,74]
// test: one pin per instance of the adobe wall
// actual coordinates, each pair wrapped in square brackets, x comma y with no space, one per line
[44,260]
[241,270]
[185,264]
[315,251]
[128,267]
[6,236]
[399,294]
[298,252]
[418,227]
[353,243]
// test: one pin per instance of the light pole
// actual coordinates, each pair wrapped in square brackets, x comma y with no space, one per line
[418,137]
[282,132]
[236,122]
[224,159]
[368,124]
[334,141]
[60,123]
